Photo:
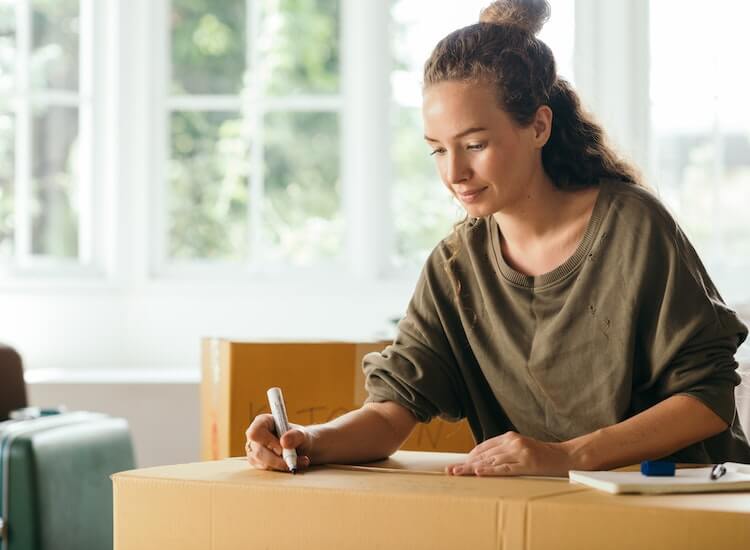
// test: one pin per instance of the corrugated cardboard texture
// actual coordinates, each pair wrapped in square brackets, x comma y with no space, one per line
[320,381]
[405,503]
[594,520]
[228,505]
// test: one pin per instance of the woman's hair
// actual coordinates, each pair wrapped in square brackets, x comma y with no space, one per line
[503,51]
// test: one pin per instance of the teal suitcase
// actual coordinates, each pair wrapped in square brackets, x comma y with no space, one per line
[55,486]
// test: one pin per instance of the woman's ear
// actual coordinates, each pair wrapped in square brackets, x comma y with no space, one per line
[542,125]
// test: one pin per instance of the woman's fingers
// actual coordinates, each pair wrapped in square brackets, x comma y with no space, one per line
[500,440]
[500,469]
[261,432]
[293,439]
[264,449]
[481,466]
[512,454]
[502,454]
[262,457]
[451,468]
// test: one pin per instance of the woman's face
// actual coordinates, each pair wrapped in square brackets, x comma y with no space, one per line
[484,158]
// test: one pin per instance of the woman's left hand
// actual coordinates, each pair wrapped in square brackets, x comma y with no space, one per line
[512,454]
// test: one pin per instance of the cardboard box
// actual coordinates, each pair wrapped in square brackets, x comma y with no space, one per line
[592,520]
[228,505]
[405,503]
[320,381]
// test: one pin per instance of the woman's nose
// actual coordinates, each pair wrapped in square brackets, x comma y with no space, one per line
[457,169]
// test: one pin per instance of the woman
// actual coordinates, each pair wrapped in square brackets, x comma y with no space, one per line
[567,317]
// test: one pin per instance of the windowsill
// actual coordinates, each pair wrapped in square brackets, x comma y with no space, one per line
[323,281]
[139,375]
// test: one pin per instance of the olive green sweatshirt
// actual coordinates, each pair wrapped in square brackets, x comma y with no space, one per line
[630,319]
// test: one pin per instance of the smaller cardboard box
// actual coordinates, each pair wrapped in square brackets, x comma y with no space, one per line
[320,381]
[593,520]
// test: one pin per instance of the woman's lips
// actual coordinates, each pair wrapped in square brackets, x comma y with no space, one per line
[470,195]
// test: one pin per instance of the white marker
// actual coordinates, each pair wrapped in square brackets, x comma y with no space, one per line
[278,410]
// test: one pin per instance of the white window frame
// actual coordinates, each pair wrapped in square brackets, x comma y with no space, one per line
[131,109]
[611,53]
[365,106]
[257,106]
[91,101]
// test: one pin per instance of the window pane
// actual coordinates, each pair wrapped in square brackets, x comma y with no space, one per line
[424,210]
[7,47]
[302,209]
[208,46]
[299,46]
[424,213]
[559,34]
[7,163]
[700,132]
[55,38]
[54,183]
[208,198]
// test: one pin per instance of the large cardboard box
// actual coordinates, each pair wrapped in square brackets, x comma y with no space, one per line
[405,502]
[320,381]
[227,505]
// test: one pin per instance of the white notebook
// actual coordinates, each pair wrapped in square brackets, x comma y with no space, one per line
[685,480]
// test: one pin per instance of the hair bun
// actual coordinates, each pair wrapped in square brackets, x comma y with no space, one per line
[530,15]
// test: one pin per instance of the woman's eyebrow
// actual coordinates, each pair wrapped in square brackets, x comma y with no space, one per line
[461,134]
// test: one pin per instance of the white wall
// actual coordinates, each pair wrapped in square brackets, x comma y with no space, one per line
[164,416]
[160,325]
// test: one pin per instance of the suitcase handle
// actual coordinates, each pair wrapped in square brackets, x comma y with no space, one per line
[35,412]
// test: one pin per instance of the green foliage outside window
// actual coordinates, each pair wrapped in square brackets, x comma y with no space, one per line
[208,186]
[208,46]
[55,44]
[424,211]
[302,211]
[7,163]
[54,128]
[299,46]
[210,157]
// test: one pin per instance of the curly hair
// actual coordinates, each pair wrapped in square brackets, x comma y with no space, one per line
[503,51]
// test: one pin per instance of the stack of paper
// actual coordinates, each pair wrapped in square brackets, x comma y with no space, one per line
[685,480]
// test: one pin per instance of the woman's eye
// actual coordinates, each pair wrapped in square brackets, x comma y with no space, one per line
[476,146]
[438,151]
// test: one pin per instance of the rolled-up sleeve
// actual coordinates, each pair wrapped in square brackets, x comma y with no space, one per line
[691,342]
[706,370]
[419,370]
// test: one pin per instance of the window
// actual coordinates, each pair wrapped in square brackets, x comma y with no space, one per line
[701,131]
[253,159]
[251,154]
[248,171]
[255,147]
[45,130]
[167,148]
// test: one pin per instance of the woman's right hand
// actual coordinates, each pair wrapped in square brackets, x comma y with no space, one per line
[263,448]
